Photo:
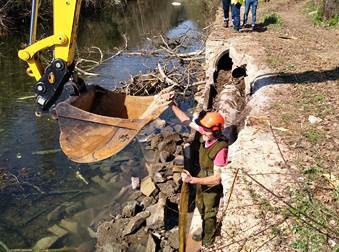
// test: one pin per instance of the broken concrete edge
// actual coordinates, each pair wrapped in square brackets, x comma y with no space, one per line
[216,49]
[253,146]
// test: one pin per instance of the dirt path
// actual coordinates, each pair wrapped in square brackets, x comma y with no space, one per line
[296,44]
[304,114]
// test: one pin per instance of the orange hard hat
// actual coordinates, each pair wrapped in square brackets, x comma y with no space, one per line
[213,121]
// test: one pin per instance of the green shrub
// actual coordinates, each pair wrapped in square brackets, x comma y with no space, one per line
[312,135]
[316,11]
[272,19]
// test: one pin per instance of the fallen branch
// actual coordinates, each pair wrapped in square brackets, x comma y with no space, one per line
[95,62]
[164,78]
[83,72]
[286,37]
[120,51]
[45,152]
[101,54]
[208,26]
[195,58]
[171,52]
[198,83]
[163,40]
[17,180]
[34,186]
[196,53]
[3,245]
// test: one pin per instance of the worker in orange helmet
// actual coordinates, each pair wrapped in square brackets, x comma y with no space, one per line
[212,160]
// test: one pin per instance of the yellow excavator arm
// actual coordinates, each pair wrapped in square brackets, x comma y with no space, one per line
[96,123]
[52,78]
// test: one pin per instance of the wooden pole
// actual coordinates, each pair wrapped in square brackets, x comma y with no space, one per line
[183,208]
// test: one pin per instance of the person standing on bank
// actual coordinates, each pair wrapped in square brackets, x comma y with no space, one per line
[212,160]
[235,7]
[226,7]
[253,4]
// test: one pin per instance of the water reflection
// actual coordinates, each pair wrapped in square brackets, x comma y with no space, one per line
[23,208]
[141,19]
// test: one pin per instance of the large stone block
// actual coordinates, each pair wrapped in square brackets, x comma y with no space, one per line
[45,243]
[151,245]
[147,186]
[157,218]
[135,222]
[167,188]
[173,238]
[58,231]
[71,226]
[129,209]
[151,156]
[179,160]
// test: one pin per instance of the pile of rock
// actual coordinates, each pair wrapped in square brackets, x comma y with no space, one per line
[142,214]
[149,219]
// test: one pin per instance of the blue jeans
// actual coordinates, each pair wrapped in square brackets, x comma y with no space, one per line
[253,4]
[236,16]
[226,6]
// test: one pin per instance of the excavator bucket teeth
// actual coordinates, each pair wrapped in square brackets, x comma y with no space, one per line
[100,123]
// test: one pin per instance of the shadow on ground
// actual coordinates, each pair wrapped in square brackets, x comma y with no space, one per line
[308,77]
[262,27]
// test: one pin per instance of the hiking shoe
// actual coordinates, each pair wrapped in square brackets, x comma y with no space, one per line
[253,28]
[225,24]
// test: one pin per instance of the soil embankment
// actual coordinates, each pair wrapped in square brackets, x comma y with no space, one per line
[284,163]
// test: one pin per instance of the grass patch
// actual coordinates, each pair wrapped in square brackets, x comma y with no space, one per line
[315,10]
[311,170]
[272,19]
[319,98]
[275,61]
[287,118]
[307,239]
[312,135]
[335,193]
[315,102]
[325,110]
[306,235]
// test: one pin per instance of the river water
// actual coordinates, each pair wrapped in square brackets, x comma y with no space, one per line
[35,176]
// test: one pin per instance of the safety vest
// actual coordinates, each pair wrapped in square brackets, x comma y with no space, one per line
[207,155]
[237,1]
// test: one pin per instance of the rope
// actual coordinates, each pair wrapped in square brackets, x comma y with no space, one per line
[231,191]
[280,198]
[228,201]
[276,142]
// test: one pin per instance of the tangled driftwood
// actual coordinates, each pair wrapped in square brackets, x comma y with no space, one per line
[188,74]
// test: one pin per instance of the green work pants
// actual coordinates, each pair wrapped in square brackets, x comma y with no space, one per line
[207,202]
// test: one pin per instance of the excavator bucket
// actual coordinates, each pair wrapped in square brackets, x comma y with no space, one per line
[100,123]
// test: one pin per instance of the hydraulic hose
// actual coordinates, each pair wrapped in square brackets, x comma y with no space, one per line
[34,18]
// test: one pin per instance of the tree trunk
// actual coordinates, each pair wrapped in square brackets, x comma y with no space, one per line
[330,8]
